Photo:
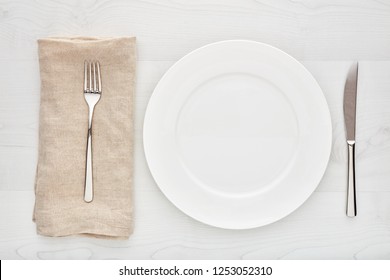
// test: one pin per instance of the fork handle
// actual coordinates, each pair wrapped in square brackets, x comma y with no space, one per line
[351,196]
[88,189]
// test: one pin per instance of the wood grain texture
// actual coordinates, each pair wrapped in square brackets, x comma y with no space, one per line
[166,30]
[325,35]
[317,230]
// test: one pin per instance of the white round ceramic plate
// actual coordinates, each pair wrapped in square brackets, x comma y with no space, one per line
[237,134]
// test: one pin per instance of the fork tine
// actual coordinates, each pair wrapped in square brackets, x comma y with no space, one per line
[85,75]
[99,89]
[94,77]
[90,76]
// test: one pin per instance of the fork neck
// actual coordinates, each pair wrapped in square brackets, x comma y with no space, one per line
[90,116]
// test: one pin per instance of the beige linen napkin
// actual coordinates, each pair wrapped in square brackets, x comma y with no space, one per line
[59,206]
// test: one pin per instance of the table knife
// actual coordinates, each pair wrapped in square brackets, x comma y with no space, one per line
[350,94]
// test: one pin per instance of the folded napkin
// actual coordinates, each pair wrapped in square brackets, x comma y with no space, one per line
[63,127]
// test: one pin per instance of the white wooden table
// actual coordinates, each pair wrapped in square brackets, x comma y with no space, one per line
[326,35]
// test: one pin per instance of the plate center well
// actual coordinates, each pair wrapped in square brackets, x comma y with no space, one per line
[236,134]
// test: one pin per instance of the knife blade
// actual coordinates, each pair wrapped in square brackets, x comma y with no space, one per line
[350,96]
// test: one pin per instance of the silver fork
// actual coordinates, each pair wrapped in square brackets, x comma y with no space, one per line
[92,94]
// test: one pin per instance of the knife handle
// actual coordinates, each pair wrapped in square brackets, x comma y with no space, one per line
[351,195]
